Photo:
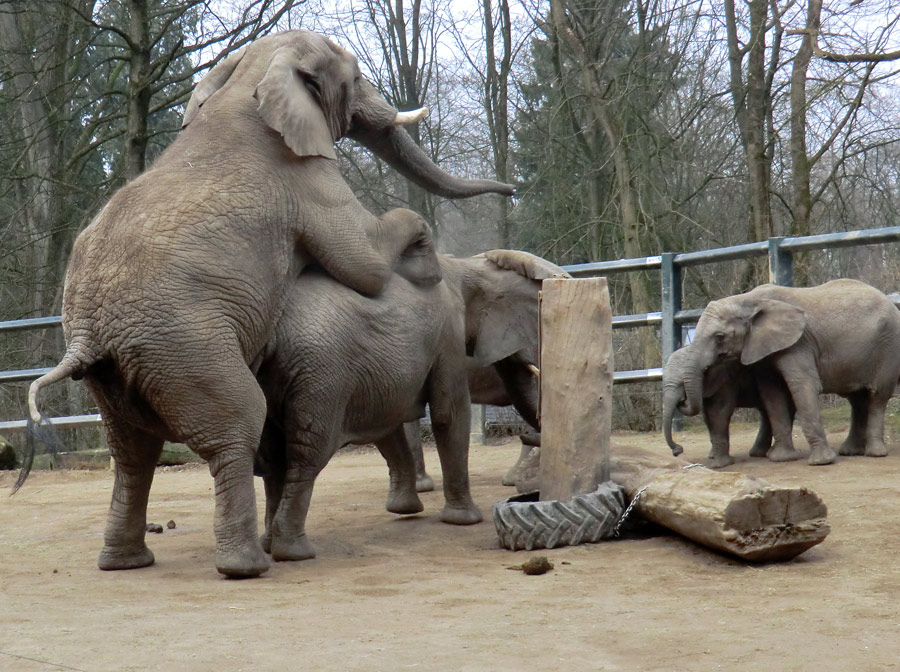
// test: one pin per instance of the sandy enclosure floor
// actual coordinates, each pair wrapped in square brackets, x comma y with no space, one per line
[412,593]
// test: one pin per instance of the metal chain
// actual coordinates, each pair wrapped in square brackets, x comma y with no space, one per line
[634,500]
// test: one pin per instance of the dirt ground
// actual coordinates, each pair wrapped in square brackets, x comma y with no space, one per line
[411,593]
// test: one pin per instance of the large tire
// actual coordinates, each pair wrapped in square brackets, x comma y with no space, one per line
[523,523]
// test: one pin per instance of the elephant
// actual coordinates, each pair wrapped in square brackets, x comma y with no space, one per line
[173,291]
[726,385]
[512,381]
[344,368]
[842,337]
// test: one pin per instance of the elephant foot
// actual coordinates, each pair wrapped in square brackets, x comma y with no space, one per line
[243,563]
[526,468]
[116,558]
[424,483]
[461,516]
[784,454]
[823,455]
[760,450]
[718,461]
[849,447]
[265,540]
[876,449]
[404,502]
[294,549]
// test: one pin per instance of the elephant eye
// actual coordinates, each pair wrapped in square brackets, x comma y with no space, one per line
[719,336]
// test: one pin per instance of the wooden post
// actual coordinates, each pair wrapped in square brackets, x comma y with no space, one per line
[576,386]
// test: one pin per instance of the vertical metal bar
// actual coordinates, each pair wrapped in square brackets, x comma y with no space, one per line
[476,430]
[669,333]
[781,263]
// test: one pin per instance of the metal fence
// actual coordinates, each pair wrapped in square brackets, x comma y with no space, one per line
[669,319]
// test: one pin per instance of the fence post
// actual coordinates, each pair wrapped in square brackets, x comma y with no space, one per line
[781,263]
[476,428]
[670,332]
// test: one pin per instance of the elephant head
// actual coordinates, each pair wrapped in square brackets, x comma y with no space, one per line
[311,92]
[685,384]
[680,373]
[743,328]
[500,290]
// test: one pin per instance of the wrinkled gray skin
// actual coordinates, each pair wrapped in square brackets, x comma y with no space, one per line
[345,368]
[508,382]
[842,337]
[174,289]
[726,385]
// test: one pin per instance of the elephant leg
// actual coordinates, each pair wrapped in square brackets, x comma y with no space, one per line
[424,482]
[778,409]
[135,455]
[717,412]
[802,378]
[216,407]
[289,540]
[855,443]
[402,497]
[514,473]
[274,487]
[763,443]
[875,427]
[270,463]
[450,417]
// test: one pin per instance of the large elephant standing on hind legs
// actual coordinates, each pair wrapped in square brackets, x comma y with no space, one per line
[172,292]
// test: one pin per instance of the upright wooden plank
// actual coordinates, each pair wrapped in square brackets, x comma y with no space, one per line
[576,386]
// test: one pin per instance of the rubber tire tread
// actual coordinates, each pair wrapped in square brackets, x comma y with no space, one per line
[583,519]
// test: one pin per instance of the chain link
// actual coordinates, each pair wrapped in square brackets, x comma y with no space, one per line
[634,500]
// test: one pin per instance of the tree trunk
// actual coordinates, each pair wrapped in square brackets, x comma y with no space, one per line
[138,92]
[729,512]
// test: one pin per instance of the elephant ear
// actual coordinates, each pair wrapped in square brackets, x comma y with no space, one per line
[525,264]
[288,105]
[502,311]
[774,326]
[213,81]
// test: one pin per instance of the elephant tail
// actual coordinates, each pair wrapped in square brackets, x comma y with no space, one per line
[74,364]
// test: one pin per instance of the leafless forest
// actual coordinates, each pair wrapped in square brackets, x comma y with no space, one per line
[629,127]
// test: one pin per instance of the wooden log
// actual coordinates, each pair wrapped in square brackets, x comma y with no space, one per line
[576,386]
[730,512]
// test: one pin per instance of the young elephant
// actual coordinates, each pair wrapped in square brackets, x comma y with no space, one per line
[345,368]
[842,337]
[725,386]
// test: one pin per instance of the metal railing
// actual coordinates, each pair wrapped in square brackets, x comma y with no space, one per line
[669,319]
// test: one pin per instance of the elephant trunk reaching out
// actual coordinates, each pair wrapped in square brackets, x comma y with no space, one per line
[395,146]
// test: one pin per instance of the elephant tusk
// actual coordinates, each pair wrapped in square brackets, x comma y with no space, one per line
[410,116]
[535,370]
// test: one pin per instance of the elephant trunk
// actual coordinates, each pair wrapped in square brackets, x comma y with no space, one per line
[693,391]
[394,145]
[670,404]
